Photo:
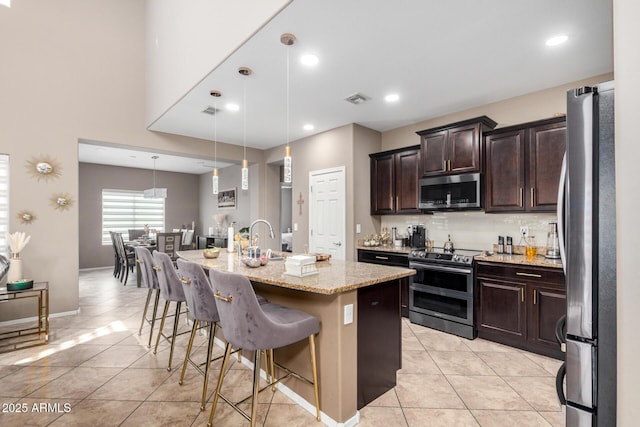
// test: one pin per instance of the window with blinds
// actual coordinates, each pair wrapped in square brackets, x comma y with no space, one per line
[4,203]
[123,210]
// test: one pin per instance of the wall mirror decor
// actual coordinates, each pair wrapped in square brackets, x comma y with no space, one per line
[26,217]
[61,201]
[43,167]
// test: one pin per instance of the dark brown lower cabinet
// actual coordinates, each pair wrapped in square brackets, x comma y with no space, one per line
[379,340]
[390,258]
[520,305]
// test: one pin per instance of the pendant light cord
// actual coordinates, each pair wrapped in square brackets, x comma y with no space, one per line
[215,135]
[244,120]
[287,96]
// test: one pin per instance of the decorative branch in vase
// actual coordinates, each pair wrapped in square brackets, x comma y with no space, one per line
[17,241]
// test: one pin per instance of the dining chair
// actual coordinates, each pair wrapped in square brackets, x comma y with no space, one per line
[169,243]
[127,258]
[187,240]
[116,255]
[135,233]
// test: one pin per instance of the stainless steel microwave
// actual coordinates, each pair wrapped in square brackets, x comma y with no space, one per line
[451,192]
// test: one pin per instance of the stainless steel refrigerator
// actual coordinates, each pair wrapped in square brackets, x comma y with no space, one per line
[586,215]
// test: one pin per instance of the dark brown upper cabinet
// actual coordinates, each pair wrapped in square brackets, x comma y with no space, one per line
[523,164]
[454,148]
[394,181]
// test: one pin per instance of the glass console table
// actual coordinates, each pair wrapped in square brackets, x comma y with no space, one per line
[34,331]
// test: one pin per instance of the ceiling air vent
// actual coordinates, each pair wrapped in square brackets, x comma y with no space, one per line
[211,110]
[356,98]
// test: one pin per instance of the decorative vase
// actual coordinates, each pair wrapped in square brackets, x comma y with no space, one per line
[15,268]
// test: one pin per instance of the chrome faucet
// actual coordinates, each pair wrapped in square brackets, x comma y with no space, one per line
[254,223]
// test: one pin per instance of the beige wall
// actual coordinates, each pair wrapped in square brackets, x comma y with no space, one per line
[67,75]
[627,63]
[179,55]
[181,204]
[365,142]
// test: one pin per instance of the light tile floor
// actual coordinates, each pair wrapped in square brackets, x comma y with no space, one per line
[97,371]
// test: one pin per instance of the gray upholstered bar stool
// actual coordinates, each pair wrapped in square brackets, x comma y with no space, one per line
[248,325]
[202,308]
[149,278]
[171,290]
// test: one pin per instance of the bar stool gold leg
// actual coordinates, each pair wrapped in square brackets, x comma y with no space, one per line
[256,388]
[176,321]
[186,357]
[312,349]
[144,313]
[212,334]
[153,319]
[164,316]
[227,353]
[273,371]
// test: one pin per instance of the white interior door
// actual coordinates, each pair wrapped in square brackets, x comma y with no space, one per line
[327,217]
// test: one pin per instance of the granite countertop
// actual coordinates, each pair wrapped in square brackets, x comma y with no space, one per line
[334,276]
[539,261]
[391,249]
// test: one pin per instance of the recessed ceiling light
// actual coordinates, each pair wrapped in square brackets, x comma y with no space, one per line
[232,107]
[307,127]
[555,41]
[392,97]
[309,59]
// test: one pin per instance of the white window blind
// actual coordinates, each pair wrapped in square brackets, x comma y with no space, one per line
[4,203]
[123,210]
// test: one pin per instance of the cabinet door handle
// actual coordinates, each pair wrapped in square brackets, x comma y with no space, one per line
[382,257]
[534,297]
[444,165]
[397,203]
[522,293]
[532,192]
[528,274]
[449,165]
[391,202]
[521,196]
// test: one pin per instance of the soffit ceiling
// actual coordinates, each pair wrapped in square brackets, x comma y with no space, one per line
[438,56]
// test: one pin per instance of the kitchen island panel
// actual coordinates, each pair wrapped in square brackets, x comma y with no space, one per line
[336,349]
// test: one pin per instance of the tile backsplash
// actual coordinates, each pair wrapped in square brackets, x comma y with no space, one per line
[474,230]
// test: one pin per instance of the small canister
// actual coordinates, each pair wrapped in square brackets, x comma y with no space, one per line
[509,247]
[500,244]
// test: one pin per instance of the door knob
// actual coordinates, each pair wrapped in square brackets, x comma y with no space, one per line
[338,243]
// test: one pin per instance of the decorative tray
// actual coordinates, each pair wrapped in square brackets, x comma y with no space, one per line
[20,285]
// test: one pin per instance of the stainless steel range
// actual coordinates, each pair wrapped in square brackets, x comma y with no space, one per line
[441,294]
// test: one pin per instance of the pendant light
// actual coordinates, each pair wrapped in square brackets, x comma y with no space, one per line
[244,71]
[155,193]
[287,39]
[214,174]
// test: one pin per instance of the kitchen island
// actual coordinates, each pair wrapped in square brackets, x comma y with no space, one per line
[357,360]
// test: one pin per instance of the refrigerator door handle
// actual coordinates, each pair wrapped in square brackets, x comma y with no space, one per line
[562,372]
[561,333]
[560,211]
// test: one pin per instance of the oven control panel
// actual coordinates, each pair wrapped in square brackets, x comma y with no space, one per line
[441,257]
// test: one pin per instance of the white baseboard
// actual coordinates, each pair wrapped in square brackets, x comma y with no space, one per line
[35,318]
[96,268]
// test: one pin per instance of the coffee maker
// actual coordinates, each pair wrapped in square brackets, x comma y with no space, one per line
[417,236]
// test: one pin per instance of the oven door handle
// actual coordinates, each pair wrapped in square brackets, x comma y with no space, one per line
[421,266]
